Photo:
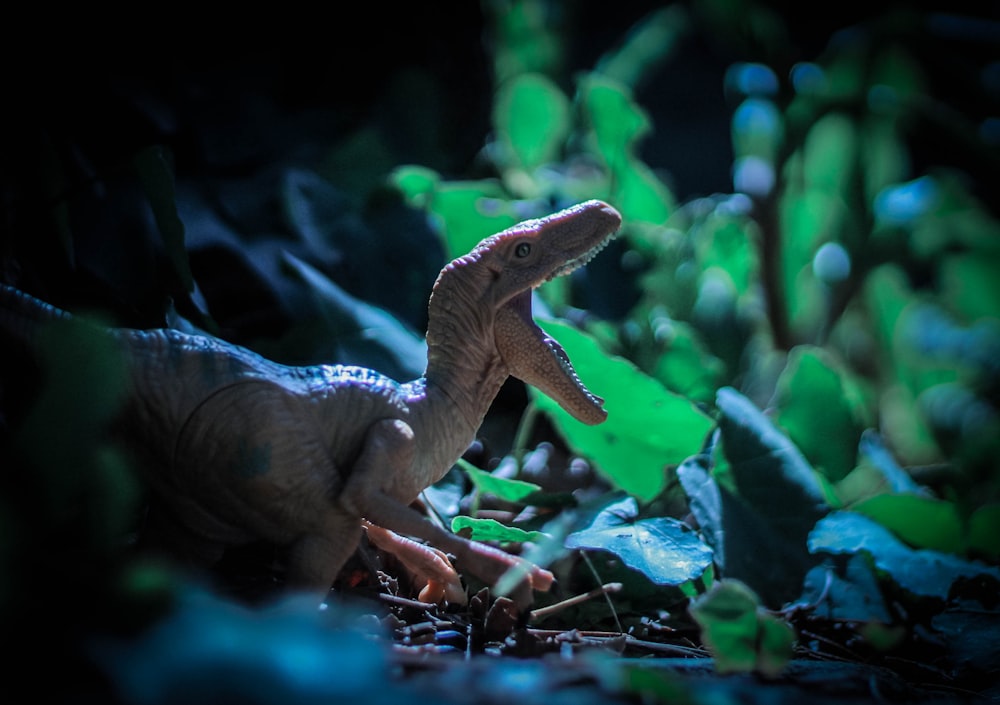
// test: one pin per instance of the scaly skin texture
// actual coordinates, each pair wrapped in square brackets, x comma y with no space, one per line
[239,448]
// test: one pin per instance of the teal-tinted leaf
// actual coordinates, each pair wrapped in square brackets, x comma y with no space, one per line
[759,535]
[771,474]
[922,572]
[502,487]
[157,178]
[648,428]
[363,334]
[873,449]
[532,116]
[848,592]
[663,549]
[314,209]
[493,530]
[971,634]
[232,653]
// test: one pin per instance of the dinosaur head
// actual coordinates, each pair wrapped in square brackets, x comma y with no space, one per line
[520,259]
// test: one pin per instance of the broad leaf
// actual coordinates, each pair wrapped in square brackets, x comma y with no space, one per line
[758,534]
[742,637]
[364,334]
[617,124]
[818,410]
[648,428]
[469,211]
[504,488]
[770,472]
[920,571]
[648,45]
[686,366]
[984,532]
[847,591]
[921,522]
[663,549]
[531,115]
[157,179]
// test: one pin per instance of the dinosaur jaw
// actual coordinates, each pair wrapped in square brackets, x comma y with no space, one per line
[536,358]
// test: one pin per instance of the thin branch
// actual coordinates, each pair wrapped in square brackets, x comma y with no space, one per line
[550,610]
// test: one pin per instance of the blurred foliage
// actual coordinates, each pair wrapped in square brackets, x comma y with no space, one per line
[808,363]
[848,285]
[741,635]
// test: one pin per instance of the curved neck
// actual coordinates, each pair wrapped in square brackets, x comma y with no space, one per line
[462,357]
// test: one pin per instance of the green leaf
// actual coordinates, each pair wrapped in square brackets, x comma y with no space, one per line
[532,116]
[819,410]
[727,242]
[923,572]
[829,153]
[617,123]
[740,636]
[686,367]
[157,178]
[921,522]
[884,154]
[616,120]
[493,530]
[647,46]
[758,533]
[665,550]
[363,334]
[470,211]
[970,286]
[416,183]
[504,488]
[648,428]
[78,475]
[771,473]
[984,531]
[639,194]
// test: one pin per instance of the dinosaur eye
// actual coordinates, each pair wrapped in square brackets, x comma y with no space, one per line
[522,249]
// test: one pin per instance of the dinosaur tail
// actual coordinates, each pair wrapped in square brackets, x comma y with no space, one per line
[22,314]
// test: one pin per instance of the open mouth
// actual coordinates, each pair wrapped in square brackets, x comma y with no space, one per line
[535,357]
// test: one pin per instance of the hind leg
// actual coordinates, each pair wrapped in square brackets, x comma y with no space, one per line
[317,557]
[314,559]
[389,450]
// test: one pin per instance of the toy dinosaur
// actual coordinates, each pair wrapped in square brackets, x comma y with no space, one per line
[239,448]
